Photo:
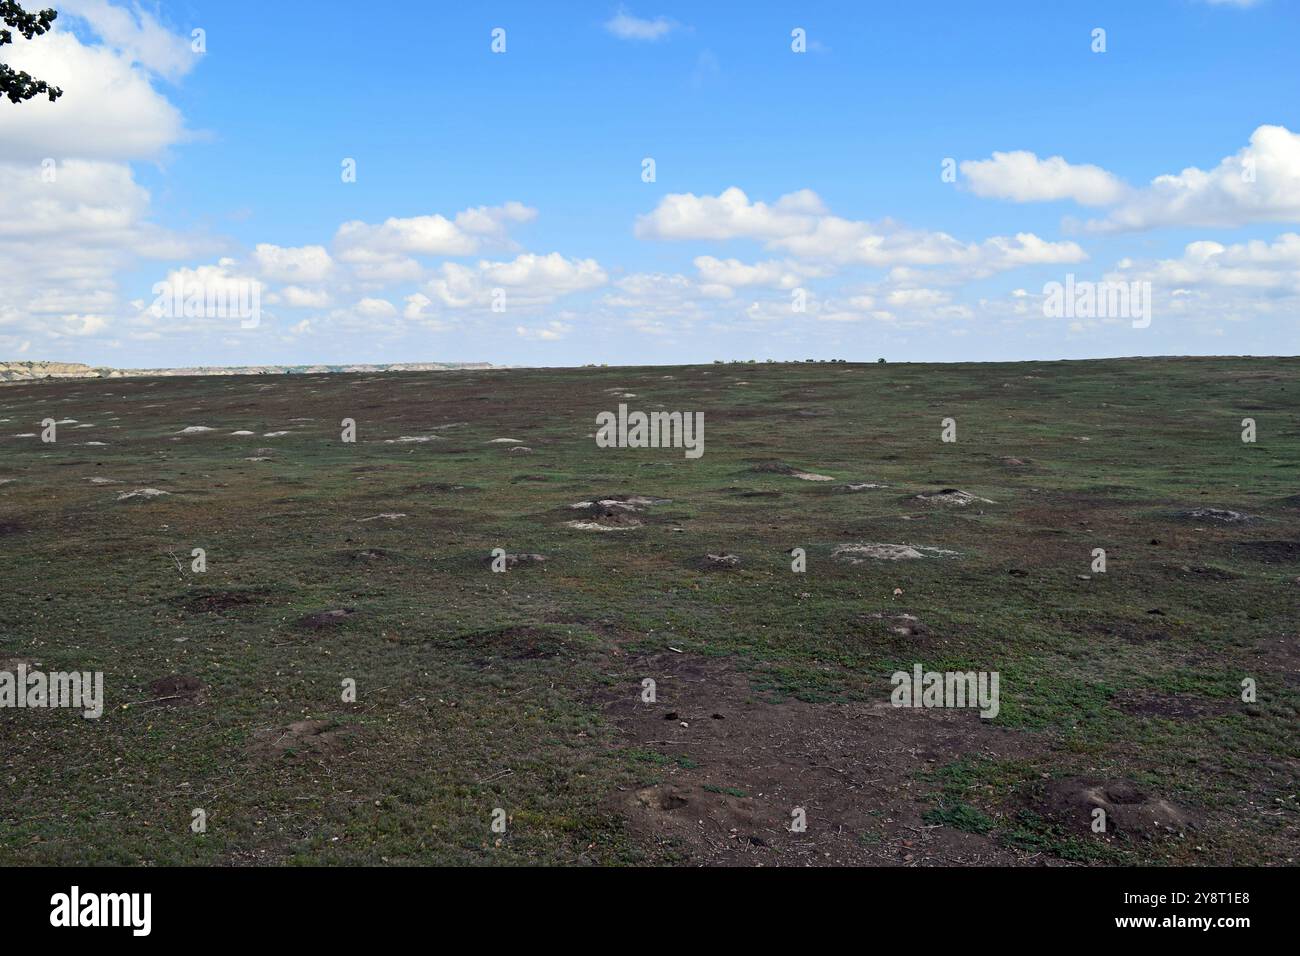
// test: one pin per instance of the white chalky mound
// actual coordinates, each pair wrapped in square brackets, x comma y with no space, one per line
[951,496]
[142,493]
[597,526]
[627,503]
[860,553]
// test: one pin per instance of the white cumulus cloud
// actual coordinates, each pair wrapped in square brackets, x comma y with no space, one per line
[290,264]
[109,108]
[138,35]
[799,225]
[627,26]
[526,281]
[1259,183]
[1022,177]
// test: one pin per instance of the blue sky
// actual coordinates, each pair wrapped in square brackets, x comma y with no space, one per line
[499,211]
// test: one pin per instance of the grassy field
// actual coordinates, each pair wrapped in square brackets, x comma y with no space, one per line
[522,691]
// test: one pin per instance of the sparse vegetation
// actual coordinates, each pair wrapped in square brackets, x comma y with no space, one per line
[522,689]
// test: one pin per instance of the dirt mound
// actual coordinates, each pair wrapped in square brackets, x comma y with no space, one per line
[902,624]
[218,602]
[612,513]
[321,619]
[517,560]
[622,502]
[675,813]
[1130,810]
[304,738]
[860,553]
[722,771]
[142,494]
[622,523]
[441,487]
[1217,515]
[718,562]
[367,555]
[953,497]
[177,690]
[853,487]
[514,643]
[662,799]
[1134,631]
[1201,572]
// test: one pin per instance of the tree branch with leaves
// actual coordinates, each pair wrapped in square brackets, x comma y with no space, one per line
[15,84]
